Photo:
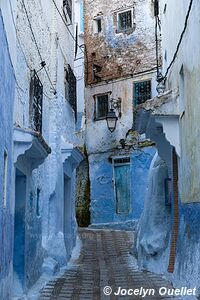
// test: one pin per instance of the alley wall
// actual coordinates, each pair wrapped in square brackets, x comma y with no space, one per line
[181,266]
[38,219]
[7,94]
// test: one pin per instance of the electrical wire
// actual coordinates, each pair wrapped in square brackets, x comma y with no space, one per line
[66,24]
[13,20]
[180,41]
[157,46]
[125,77]
[36,44]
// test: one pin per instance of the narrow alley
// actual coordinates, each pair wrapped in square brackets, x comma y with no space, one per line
[99,149]
[105,263]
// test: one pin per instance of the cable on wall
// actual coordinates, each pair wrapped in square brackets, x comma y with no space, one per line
[66,24]
[43,64]
[180,40]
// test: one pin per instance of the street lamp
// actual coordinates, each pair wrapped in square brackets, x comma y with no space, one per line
[111,120]
[115,104]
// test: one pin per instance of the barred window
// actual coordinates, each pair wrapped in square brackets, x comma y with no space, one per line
[142,91]
[70,89]
[67,6]
[101,106]
[125,20]
[36,99]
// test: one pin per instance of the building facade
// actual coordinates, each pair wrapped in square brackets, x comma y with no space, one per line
[171,120]
[120,72]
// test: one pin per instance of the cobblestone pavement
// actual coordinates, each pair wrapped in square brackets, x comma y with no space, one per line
[105,260]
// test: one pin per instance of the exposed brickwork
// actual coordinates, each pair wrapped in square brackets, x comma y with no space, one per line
[119,54]
[176,214]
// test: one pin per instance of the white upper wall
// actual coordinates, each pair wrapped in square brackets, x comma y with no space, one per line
[185,76]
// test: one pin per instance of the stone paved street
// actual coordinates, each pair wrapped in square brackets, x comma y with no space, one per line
[105,260]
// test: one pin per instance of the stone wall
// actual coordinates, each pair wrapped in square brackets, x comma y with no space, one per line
[117,53]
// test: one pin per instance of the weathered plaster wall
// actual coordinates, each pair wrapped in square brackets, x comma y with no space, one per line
[98,137]
[7,94]
[103,201]
[125,58]
[153,245]
[119,54]
[187,82]
[184,75]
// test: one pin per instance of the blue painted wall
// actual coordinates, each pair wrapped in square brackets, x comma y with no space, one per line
[103,200]
[187,266]
[7,90]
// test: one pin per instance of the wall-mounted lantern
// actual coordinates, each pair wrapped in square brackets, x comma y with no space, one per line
[111,120]
[111,117]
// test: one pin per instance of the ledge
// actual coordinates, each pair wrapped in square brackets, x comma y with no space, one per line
[71,152]
[159,116]
[31,145]
[166,104]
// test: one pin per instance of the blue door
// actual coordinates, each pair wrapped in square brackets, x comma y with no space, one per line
[122,188]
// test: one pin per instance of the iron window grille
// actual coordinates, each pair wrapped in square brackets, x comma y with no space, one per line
[142,91]
[125,20]
[122,160]
[101,106]
[36,101]
[70,89]
[67,7]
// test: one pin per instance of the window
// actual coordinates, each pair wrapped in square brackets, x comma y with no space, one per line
[70,88]
[123,160]
[36,98]
[142,91]
[101,106]
[5,175]
[125,20]
[67,7]
[97,25]
[66,83]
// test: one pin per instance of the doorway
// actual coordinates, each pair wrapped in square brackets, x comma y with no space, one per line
[122,185]
[19,232]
